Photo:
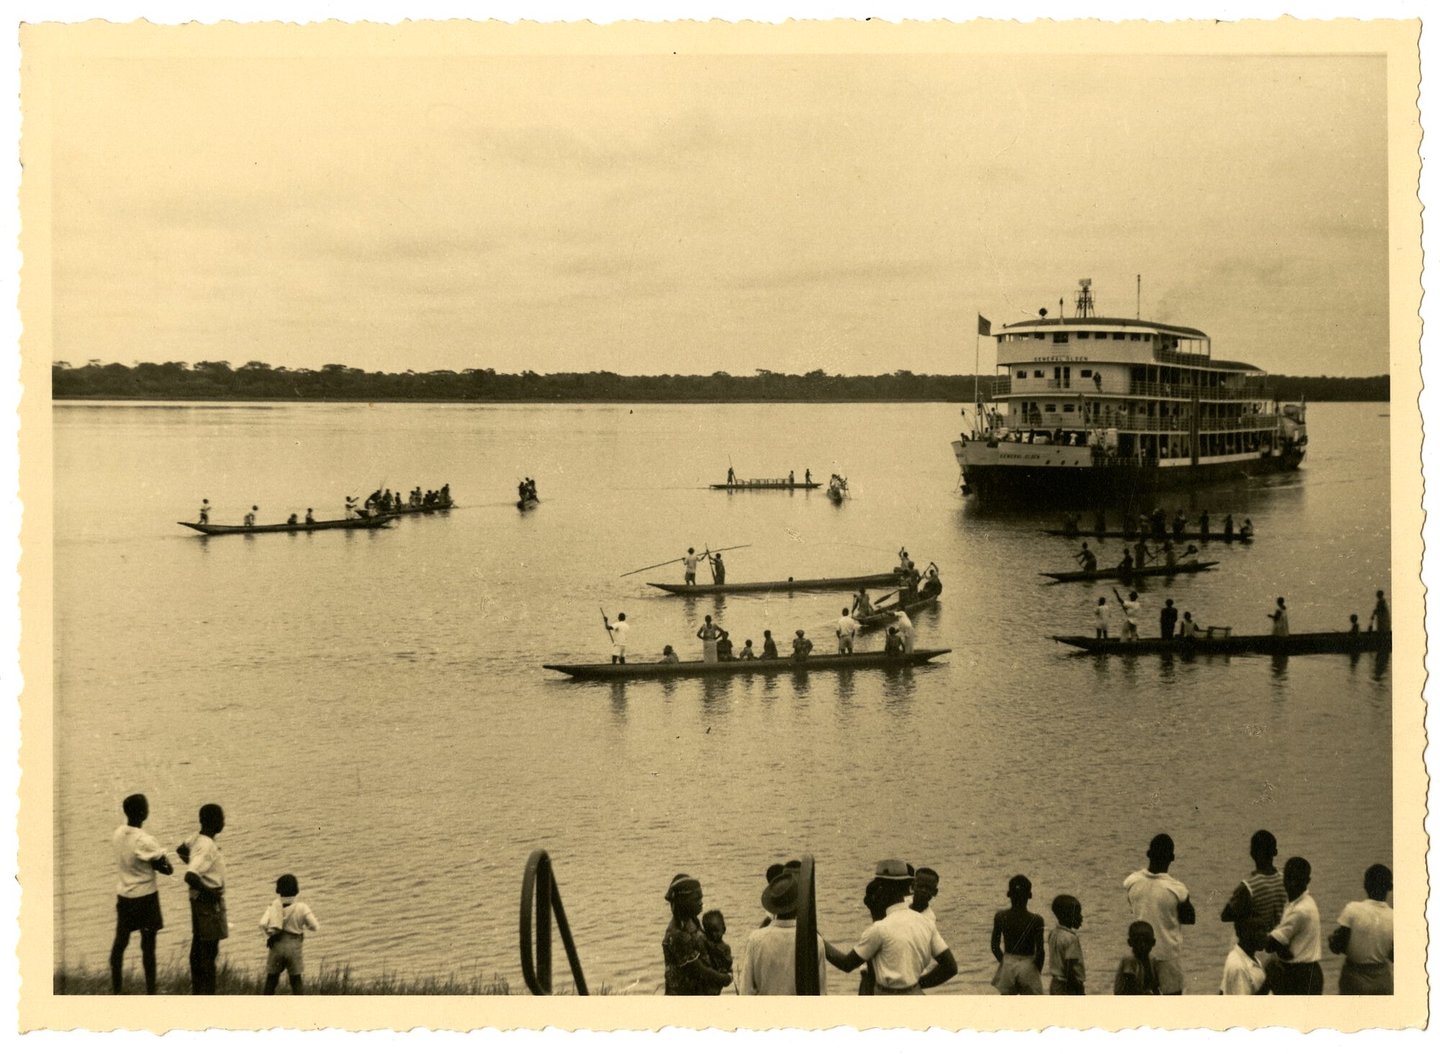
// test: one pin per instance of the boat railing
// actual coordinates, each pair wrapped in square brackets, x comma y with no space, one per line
[539,905]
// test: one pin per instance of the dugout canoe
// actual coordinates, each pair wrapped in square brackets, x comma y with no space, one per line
[604,671]
[1135,536]
[1101,574]
[526,504]
[765,484]
[1343,643]
[420,510]
[369,523]
[885,615]
[788,585]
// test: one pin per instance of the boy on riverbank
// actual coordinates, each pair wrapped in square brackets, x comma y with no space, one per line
[284,924]
[1297,936]
[1067,959]
[1017,940]
[1244,974]
[137,902]
[1136,974]
[1366,937]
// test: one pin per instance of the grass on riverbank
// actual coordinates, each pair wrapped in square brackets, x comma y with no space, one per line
[174,979]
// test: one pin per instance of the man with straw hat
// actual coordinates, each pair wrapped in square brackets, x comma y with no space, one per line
[898,946]
[769,964]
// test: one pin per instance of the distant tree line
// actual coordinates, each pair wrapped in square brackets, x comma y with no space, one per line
[261,381]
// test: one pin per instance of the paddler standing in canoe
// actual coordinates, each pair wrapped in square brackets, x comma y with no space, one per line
[717,569]
[250,516]
[845,630]
[709,634]
[691,562]
[204,510]
[618,634]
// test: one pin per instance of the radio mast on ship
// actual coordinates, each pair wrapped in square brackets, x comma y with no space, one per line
[1084,301]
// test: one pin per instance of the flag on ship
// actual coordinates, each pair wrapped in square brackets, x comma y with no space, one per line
[984,325]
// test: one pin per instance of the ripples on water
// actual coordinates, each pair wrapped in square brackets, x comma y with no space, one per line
[371,711]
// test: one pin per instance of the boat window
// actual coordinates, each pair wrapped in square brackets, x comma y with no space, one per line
[1062,338]
[1102,336]
[1083,336]
[1039,373]
[1084,373]
[1139,336]
[1049,408]
[1069,408]
[1020,375]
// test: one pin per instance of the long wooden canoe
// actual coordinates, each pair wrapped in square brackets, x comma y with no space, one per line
[1135,536]
[1101,574]
[1344,643]
[366,524]
[788,585]
[765,484]
[887,614]
[604,671]
[419,510]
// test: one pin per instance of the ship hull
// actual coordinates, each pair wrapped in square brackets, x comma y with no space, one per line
[1082,484]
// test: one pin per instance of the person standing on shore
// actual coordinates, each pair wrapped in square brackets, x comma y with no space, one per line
[1017,940]
[1297,936]
[1243,973]
[1366,937]
[137,902]
[284,924]
[770,950]
[687,962]
[898,946]
[205,875]
[1067,958]
[1160,899]
[1137,974]
[1261,895]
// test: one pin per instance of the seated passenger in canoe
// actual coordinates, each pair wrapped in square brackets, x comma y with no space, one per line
[893,644]
[747,653]
[250,516]
[725,647]
[309,515]
[293,520]
[861,604]
[931,585]
[1085,558]
[668,655]
[768,649]
[801,646]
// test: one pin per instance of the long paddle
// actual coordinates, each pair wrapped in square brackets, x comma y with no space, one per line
[679,558]
[606,619]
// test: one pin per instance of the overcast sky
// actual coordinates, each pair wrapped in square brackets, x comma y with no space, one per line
[679,213]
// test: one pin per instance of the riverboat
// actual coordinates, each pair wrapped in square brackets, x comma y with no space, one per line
[605,671]
[1343,643]
[788,585]
[366,523]
[1096,411]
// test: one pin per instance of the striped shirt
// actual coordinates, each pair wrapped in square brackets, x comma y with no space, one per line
[1267,898]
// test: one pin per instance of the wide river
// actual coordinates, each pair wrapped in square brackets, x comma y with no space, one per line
[371,710]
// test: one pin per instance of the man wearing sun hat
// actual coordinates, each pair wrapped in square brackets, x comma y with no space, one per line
[769,964]
[898,946]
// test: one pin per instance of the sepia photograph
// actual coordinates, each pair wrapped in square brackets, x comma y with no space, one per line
[834,508]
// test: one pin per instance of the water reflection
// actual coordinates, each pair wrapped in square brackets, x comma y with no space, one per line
[897,694]
[1279,668]
[617,701]
[714,696]
[845,686]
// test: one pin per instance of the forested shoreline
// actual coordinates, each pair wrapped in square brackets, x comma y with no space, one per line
[259,381]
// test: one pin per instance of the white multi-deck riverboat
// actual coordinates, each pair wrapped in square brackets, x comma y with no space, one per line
[1094,411]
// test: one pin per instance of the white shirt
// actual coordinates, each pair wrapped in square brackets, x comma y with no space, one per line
[1132,611]
[899,945]
[619,631]
[769,963]
[288,915]
[1243,975]
[691,562]
[1102,616]
[206,862]
[1281,628]
[846,627]
[134,850]
[1156,899]
[1372,932]
[1299,930]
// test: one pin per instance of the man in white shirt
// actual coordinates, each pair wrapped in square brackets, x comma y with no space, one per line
[1161,899]
[1243,973]
[845,630]
[1297,937]
[769,964]
[898,946]
[907,631]
[1366,937]
[137,903]
[691,562]
[619,633]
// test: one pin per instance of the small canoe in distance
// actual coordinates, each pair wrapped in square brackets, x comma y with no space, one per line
[1344,643]
[887,614]
[525,504]
[765,484]
[788,585]
[1135,536]
[1100,574]
[865,660]
[368,523]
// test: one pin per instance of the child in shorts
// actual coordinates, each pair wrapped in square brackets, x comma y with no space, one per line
[285,922]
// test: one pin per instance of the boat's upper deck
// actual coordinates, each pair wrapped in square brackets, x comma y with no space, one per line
[1121,341]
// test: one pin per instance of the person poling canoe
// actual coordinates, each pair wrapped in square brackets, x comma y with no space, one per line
[1086,557]
[686,559]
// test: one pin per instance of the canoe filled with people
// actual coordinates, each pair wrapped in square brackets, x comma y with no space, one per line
[376,511]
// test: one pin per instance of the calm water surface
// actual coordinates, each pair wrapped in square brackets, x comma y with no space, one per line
[371,711]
